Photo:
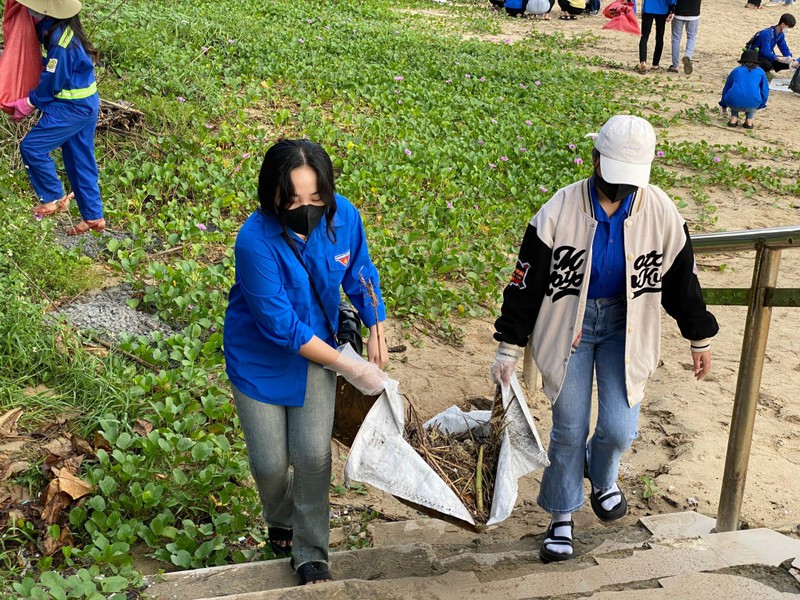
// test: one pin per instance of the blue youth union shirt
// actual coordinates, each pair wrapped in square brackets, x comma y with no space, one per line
[272,310]
[607,279]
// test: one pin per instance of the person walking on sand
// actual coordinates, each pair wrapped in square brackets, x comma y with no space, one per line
[687,15]
[746,90]
[67,98]
[596,264]
[659,12]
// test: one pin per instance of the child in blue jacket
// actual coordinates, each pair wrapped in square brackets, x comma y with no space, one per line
[67,97]
[746,90]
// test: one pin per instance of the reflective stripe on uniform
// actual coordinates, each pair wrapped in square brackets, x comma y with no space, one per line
[77,94]
[66,37]
[44,51]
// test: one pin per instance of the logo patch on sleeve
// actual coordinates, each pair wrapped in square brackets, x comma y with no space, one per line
[343,259]
[519,275]
[51,65]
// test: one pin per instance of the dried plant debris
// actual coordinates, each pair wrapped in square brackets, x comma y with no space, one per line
[467,462]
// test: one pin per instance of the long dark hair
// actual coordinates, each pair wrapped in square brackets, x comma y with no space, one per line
[73,23]
[275,189]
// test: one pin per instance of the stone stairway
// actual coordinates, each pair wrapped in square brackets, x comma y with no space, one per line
[673,556]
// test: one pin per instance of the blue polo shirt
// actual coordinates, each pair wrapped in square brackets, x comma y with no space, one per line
[607,279]
[272,310]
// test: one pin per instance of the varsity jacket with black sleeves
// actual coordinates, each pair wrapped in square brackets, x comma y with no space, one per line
[548,290]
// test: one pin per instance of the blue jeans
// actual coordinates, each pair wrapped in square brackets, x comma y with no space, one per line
[677,34]
[748,112]
[601,349]
[278,437]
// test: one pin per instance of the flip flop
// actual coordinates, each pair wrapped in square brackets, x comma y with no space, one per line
[280,540]
[314,572]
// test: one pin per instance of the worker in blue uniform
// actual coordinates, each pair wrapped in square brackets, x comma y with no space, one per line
[67,98]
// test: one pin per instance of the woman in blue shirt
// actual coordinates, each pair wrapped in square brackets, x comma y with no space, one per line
[67,97]
[293,256]
[746,90]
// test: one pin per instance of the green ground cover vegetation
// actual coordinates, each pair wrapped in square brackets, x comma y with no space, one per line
[447,145]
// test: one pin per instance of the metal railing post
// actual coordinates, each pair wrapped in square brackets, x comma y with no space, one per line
[765,275]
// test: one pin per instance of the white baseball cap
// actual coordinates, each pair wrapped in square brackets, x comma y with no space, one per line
[627,145]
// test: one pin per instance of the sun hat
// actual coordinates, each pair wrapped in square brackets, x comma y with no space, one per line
[58,9]
[627,145]
[749,56]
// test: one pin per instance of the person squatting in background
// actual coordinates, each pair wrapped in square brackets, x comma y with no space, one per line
[746,90]
[597,263]
[570,9]
[659,12]
[687,15]
[293,256]
[765,41]
[67,98]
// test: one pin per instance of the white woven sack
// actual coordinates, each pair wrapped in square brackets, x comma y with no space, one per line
[381,457]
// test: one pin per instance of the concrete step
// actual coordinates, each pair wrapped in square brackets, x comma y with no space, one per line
[667,561]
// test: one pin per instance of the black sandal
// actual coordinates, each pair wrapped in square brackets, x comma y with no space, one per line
[556,540]
[597,499]
[276,535]
[313,572]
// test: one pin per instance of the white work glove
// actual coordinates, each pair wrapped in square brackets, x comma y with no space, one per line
[505,359]
[787,60]
[794,64]
[365,376]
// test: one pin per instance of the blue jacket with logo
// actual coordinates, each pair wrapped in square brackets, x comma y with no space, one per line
[765,43]
[67,81]
[272,310]
[745,88]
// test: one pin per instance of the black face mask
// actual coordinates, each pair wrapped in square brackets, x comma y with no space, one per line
[616,192]
[303,219]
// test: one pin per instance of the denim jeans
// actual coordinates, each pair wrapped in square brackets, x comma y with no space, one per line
[748,112]
[278,437]
[691,38]
[601,349]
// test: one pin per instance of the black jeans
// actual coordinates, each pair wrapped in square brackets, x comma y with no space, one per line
[566,7]
[647,26]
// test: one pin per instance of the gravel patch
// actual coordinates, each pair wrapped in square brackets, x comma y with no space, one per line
[107,311]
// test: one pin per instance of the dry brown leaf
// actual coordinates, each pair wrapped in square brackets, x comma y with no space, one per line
[65,539]
[8,422]
[81,445]
[101,442]
[9,469]
[11,447]
[142,427]
[72,485]
[54,502]
[98,351]
[39,390]
[60,446]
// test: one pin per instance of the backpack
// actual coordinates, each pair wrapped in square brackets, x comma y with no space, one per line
[752,43]
[794,84]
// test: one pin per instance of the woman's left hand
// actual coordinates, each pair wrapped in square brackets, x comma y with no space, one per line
[377,350]
[702,364]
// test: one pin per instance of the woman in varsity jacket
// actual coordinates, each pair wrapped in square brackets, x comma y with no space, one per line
[596,264]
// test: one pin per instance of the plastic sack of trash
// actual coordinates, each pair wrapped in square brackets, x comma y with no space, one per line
[21,59]
[622,17]
[381,457]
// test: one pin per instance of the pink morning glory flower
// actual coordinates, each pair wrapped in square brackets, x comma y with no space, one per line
[482,79]
[201,227]
[528,123]
[717,159]
[504,158]
[494,121]
[579,161]
[467,76]
[449,81]
[449,205]
[231,41]
[507,41]
[475,206]
[537,82]
[492,165]
[398,78]
[571,146]
[301,41]
[246,155]
[523,149]
[181,99]
[209,126]
[480,142]
[542,188]
[408,152]
[660,154]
